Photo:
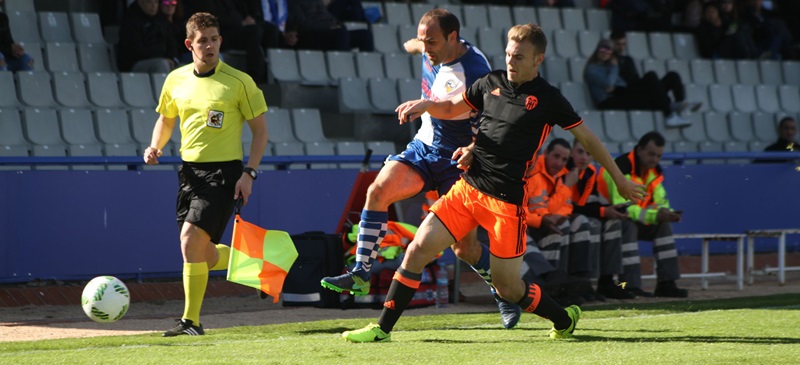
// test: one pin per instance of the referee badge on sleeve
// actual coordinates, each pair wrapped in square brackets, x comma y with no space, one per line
[215,119]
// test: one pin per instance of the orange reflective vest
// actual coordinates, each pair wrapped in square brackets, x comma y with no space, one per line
[546,194]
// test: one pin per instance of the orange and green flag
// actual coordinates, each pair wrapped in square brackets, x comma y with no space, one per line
[260,258]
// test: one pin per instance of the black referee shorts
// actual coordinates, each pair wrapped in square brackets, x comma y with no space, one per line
[205,195]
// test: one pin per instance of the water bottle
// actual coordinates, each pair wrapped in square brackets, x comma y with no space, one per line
[442,295]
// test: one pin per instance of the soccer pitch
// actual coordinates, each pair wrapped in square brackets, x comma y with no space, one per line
[756,330]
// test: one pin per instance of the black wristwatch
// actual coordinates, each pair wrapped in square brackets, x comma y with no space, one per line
[252,172]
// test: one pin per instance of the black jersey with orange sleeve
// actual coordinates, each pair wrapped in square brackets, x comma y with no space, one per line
[515,123]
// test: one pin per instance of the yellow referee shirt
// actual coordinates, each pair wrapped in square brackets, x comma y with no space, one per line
[212,110]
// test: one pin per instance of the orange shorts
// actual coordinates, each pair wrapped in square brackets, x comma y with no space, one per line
[464,207]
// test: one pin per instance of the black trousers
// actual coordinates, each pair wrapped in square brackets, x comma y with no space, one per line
[649,93]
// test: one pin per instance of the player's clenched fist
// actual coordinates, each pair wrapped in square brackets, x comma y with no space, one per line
[151,155]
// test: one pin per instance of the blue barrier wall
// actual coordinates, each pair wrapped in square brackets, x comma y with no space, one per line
[76,224]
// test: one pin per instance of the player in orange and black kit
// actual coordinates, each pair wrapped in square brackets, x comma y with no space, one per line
[519,111]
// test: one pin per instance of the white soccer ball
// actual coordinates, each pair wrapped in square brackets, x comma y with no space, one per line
[105,299]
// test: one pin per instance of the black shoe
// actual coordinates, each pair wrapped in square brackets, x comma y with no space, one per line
[638,292]
[668,289]
[614,291]
[184,327]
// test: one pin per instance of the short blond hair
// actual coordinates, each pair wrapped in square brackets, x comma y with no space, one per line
[530,33]
[200,21]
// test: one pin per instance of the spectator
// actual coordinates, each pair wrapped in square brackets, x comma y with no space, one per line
[146,40]
[641,15]
[769,32]
[609,89]
[650,219]
[173,11]
[318,28]
[787,134]
[271,16]
[720,36]
[601,217]
[240,31]
[12,54]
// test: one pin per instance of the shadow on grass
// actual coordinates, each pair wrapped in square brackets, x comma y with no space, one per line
[694,339]
[779,301]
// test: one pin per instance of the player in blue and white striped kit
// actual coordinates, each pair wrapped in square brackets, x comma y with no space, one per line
[432,159]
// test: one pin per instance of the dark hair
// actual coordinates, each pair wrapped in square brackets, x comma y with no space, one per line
[784,120]
[617,34]
[200,21]
[654,136]
[447,21]
[558,141]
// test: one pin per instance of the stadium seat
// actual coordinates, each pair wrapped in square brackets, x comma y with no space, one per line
[307,125]
[549,18]
[617,126]
[756,146]
[696,131]
[417,11]
[34,49]
[708,146]
[386,38]
[613,148]
[398,13]
[323,148]
[383,94]
[657,66]
[572,19]
[498,61]
[491,41]
[125,150]
[747,72]
[681,67]
[41,127]
[525,15]
[661,46]
[157,80]
[86,28]
[638,45]
[77,127]
[55,27]
[685,147]
[765,126]
[377,5]
[671,134]
[283,65]
[406,32]
[113,126]
[698,93]
[475,16]
[456,9]
[720,97]
[25,25]
[577,93]
[408,89]
[500,16]
[70,89]
[767,98]
[14,151]
[350,148]
[565,43]
[55,150]
[340,64]
[716,127]
[790,98]
[594,120]
[142,122]
[771,73]
[353,95]
[744,98]
[290,149]
[19,5]
[556,69]
[598,20]
[702,71]
[94,57]
[369,64]
[8,90]
[397,65]
[11,133]
[741,126]
[641,122]
[725,72]
[279,124]
[576,66]
[587,42]
[313,69]
[470,34]
[791,72]
[685,46]
[103,89]
[61,57]
[137,90]
[35,89]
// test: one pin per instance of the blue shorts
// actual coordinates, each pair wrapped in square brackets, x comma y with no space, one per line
[438,171]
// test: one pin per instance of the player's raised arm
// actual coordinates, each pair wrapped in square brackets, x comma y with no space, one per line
[443,109]
[627,189]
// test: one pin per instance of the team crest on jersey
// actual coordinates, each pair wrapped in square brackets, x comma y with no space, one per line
[215,119]
[531,102]
[450,85]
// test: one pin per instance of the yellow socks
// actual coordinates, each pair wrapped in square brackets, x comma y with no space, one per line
[195,279]
[224,254]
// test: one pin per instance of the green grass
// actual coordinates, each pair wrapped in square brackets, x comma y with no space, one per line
[758,330]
